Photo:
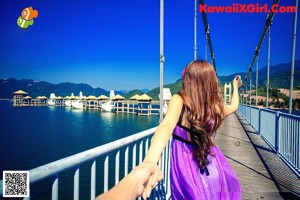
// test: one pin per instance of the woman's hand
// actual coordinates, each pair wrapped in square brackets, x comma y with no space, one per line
[139,181]
[148,183]
[237,82]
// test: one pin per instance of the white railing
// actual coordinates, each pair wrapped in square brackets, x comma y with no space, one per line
[280,130]
[131,157]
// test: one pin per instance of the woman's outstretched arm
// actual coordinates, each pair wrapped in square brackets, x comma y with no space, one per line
[237,82]
[164,130]
[161,137]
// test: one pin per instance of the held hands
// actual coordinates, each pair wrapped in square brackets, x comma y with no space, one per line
[149,175]
[237,82]
[139,181]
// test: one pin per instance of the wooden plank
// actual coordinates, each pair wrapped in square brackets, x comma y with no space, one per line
[286,181]
[242,156]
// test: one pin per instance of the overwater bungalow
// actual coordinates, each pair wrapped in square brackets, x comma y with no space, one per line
[132,105]
[59,101]
[102,97]
[19,97]
[119,103]
[118,98]
[27,101]
[91,102]
[67,101]
[144,105]
[41,100]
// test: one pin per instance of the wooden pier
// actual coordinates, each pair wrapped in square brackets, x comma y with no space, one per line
[139,105]
[261,171]
[136,107]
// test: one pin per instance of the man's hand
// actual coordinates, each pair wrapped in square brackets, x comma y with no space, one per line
[149,175]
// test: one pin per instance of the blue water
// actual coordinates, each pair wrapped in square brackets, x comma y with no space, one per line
[34,136]
[294,112]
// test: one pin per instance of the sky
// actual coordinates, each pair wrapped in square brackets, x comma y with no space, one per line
[115,44]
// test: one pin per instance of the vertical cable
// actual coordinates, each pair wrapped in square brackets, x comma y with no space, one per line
[256,87]
[293,59]
[195,30]
[268,71]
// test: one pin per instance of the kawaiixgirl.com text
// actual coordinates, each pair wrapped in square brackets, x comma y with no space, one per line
[247,8]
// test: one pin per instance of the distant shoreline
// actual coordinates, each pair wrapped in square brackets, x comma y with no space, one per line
[274,108]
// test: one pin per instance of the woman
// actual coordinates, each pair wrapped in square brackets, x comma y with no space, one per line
[199,170]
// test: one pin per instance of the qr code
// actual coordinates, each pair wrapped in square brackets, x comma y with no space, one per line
[15,183]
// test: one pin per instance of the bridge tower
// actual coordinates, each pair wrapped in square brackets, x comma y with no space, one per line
[227,93]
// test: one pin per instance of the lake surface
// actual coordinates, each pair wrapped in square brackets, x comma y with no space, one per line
[34,136]
[294,112]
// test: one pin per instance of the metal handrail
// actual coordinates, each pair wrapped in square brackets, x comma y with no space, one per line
[61,165]
[284,132]
[53,169]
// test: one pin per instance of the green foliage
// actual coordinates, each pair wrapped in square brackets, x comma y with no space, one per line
[174,88]
[273,93]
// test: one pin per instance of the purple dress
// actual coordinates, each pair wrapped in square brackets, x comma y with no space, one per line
[219,182]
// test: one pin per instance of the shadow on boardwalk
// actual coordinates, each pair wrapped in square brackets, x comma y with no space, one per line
[262,173]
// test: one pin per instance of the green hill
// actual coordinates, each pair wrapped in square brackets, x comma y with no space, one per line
[174,88]
[279,78]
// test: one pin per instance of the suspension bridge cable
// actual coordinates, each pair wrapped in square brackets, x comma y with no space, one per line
[250,89]
[293,59]
[207,33]
[206,47]
[268,69]
[256,82]
[268,23]
[195,29]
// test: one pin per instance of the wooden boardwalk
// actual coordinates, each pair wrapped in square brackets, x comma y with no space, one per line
[253,161]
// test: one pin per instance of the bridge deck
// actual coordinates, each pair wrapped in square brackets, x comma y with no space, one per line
[253,160]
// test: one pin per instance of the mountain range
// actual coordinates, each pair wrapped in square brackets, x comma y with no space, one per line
[280,75]
[279,78]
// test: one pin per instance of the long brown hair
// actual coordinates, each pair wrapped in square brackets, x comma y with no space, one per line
[205,109]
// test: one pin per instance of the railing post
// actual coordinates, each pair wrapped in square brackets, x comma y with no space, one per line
[76,184]
[126,162]
[250,111]
[117,167]
[259,120]
[134,156]
[277,131]
[106,173]
[55,188]
[93,180]
[141,152]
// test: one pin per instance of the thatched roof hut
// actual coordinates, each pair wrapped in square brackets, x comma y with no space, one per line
[21,92]
[118,97]
[102,97]
[91,97]
[144,97]
[41,97]
[135,97]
